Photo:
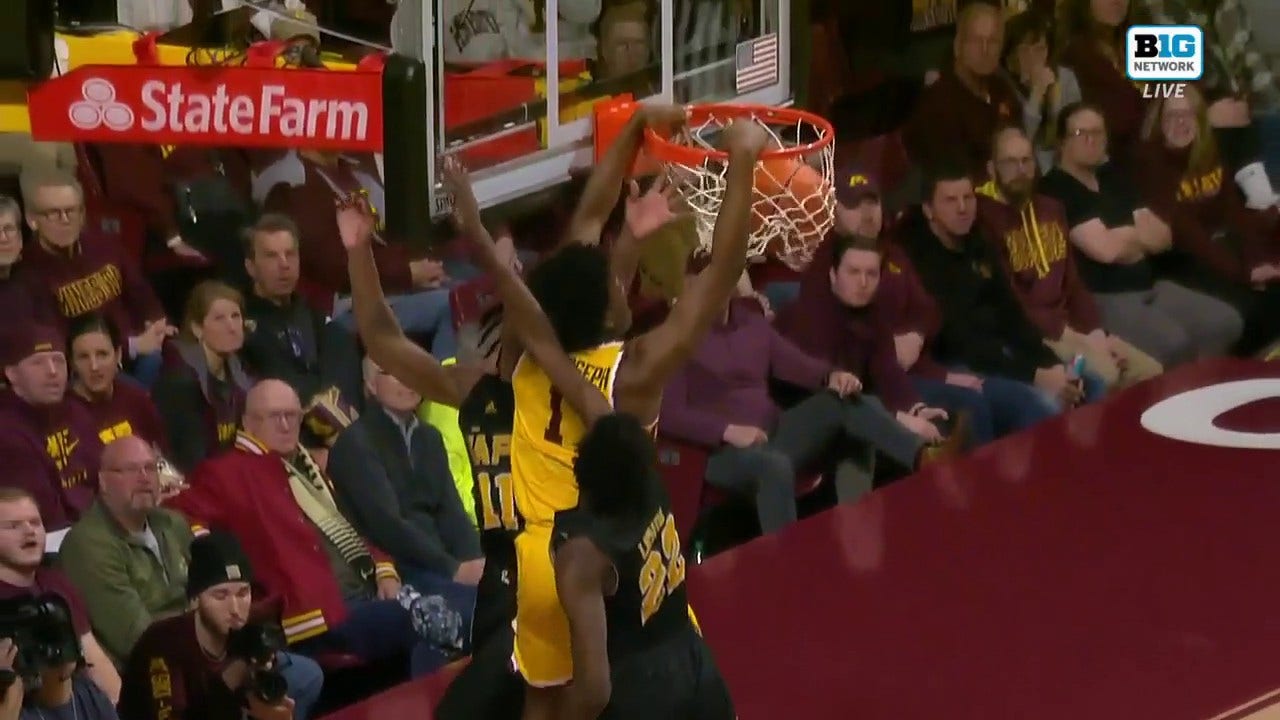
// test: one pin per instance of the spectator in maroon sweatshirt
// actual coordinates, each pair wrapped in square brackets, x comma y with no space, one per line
[1093,33]
[720,400]
[49,445]
[956,116]
[18,297]
[119,406]
[860,296]
[82,273]
[1030,234]
[201,393]
[1219,245]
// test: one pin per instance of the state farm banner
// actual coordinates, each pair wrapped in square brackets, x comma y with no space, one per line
[227,106]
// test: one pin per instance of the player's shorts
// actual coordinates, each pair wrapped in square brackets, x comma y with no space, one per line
[676,679]
[542,651]
[488,687]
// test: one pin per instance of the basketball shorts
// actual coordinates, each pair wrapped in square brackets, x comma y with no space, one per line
[488,687]
[676,679]
[542,651]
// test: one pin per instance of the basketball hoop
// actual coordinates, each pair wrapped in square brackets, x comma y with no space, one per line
[794,202]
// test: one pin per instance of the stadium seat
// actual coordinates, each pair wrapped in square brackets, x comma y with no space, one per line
[684,469]
[470,300]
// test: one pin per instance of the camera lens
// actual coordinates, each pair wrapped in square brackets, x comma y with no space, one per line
[269,686]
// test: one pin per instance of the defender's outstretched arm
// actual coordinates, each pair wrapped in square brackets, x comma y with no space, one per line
[655,356]
[604,186]
[383,338]
[521,311]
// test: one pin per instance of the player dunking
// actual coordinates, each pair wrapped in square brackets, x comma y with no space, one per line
[484,398]
[573,287]
[619,573]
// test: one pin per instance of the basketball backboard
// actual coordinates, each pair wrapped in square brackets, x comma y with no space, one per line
[492,62]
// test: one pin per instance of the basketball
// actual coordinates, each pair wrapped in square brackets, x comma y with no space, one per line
[790,191]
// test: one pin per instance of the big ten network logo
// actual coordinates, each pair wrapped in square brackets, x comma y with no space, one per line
[99,107]
[1164,58]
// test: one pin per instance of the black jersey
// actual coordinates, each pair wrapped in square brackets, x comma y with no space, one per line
[485,417]
[649,605]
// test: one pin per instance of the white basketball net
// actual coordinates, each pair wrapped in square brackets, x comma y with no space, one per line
[790,225]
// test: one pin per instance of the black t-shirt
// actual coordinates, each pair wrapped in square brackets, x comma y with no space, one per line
[649,605]
[1113,204]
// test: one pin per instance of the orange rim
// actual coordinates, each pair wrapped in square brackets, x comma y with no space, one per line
[667,151]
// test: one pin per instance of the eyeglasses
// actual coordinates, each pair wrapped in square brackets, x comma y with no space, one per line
[1089,133]
[63,214]
[290,417]
[10,230]
[152,468]
[1016,163]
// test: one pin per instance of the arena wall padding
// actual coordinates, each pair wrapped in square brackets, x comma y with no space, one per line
[406,155]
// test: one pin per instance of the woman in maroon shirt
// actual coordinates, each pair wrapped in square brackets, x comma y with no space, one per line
[119,405]
[202,388]
[1092,36]
[1219,245]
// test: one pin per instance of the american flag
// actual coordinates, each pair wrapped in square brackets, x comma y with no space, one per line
[756,63]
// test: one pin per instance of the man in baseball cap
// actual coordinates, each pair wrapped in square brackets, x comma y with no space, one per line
[858,209]
[50,446]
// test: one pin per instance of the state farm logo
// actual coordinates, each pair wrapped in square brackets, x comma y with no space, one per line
[99,108]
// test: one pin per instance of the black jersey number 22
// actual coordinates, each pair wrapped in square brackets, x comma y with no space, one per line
[662,572]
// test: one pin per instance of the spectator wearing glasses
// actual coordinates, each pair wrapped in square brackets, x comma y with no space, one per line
[201,393]
[1030,230]
[1115,234]
[18,296]
[288,339]
[82,273]
[118,404]
[338,592]
[49,446]
[127,555]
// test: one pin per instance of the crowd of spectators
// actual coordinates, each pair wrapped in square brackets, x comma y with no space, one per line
[193,440]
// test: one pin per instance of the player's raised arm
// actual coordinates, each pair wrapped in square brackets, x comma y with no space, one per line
[655,356]
[521,312]
[384,339]
[604,186]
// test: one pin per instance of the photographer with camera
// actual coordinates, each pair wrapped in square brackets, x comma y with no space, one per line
[23,575]
[40,655]
[212,662]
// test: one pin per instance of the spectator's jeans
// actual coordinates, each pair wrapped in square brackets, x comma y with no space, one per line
[1014,405]
[956,399]
[425,313]
[304,678]
[379,630]
[768,472]
[459,597]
